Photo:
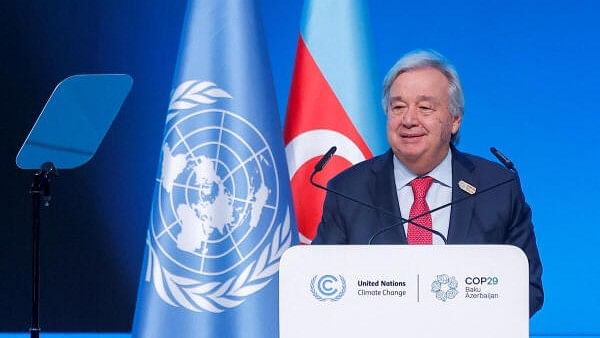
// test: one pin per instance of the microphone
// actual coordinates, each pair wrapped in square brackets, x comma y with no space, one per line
[323,161]
[504,160]
[321,164]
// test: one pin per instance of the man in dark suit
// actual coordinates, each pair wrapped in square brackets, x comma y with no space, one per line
[423,169]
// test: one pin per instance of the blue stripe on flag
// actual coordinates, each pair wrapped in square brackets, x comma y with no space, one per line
[337,35]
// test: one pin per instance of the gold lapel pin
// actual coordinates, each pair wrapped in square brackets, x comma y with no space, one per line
[466,187]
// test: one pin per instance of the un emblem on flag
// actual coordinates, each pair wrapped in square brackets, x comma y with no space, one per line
[217,230]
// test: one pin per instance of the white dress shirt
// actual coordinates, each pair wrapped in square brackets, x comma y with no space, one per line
[438,194]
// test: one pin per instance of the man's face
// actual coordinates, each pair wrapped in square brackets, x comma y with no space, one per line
[419,123]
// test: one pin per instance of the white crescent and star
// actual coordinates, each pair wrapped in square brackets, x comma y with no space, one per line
[309,145]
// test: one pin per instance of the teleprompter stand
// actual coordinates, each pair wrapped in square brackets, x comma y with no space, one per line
[66,135]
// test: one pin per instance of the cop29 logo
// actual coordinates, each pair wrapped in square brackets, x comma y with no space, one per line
[328,287]
[444,287]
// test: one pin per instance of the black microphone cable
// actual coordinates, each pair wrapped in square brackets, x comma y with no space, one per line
[321,164]
[439,208]
[499,155]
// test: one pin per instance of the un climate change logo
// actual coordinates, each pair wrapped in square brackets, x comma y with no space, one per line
[328,287]
[216,233]
[444,287]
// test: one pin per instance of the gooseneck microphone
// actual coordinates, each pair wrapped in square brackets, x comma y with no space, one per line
[321,164]
[323,161]
[504,160]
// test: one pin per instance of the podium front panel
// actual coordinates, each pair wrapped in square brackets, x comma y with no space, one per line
[404,291]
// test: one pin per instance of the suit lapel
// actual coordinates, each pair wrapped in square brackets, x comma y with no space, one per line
[462,213]
[383,194]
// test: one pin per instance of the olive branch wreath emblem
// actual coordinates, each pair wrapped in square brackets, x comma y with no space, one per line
[216,297]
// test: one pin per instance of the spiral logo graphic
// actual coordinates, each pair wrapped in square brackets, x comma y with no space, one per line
[444,287]
[328,287]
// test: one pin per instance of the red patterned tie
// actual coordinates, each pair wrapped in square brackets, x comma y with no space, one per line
[417,235]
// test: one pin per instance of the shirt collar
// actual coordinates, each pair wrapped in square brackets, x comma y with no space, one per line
[442,173]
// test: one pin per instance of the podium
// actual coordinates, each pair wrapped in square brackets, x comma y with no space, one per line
[404,291]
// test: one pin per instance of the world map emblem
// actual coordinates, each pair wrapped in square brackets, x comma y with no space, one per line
[218,227]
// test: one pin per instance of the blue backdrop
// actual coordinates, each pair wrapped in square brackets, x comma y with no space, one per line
[531,84]
[530,79]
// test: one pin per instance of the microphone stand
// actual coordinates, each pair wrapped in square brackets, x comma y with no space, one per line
[499,155]
[383,211]
[438,208]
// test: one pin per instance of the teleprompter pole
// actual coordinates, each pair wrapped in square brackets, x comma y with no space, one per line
[40,196]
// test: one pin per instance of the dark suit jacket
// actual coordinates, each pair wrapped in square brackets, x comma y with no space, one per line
[499,216]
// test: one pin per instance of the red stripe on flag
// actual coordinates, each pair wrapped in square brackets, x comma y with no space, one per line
[313,105]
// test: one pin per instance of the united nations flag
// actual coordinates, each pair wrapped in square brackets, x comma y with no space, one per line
[221,216]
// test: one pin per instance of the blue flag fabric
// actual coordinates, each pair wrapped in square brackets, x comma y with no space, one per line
[222,213]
